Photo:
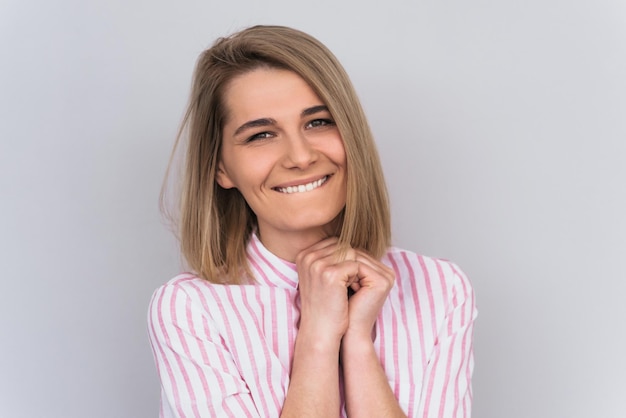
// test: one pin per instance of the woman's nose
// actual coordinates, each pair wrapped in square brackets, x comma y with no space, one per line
[299,152]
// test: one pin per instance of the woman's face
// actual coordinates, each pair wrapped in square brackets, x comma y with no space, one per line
[282,150]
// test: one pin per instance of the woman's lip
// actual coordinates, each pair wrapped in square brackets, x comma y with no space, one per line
[302,182]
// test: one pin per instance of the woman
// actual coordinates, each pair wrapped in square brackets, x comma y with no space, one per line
[297,306]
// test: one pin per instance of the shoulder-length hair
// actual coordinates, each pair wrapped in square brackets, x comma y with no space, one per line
[215,224]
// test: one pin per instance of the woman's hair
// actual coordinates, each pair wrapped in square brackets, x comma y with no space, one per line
[215,224]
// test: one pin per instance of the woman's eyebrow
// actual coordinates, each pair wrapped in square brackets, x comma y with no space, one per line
[255,124]
[269,121]
[313,110]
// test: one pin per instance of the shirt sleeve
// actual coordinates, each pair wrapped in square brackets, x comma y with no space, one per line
[447,389]
[198,375]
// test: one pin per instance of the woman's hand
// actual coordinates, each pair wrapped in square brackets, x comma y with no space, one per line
[324,277]
[366,388]
[373,284]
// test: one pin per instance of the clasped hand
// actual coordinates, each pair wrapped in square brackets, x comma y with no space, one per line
[325,274]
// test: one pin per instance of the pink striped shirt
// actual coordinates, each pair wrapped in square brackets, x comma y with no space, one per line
[226,350]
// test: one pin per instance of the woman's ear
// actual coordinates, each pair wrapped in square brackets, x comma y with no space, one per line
[222,178]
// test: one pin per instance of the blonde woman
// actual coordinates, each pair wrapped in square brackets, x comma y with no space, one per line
[295,304]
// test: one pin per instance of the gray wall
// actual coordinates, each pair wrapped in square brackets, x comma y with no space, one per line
[501,126]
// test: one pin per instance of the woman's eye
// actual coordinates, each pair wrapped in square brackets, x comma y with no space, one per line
[260,135]
[320,122]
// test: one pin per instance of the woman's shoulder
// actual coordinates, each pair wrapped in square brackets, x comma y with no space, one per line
[188,289]
[181,282]
[409,265]
[182,289]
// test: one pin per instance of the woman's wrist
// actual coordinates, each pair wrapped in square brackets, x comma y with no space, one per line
[357,342]
[317,342]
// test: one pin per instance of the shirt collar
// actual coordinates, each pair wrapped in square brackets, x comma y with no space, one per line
[269,269]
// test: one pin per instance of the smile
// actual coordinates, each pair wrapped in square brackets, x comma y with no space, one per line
[303,187]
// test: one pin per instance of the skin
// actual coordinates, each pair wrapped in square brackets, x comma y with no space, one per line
[279,134]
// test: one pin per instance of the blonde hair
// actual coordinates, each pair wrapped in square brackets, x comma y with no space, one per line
[215,224]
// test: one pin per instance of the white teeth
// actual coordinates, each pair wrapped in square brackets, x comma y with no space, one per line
[303,187]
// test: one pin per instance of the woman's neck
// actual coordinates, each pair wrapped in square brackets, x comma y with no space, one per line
[288,245]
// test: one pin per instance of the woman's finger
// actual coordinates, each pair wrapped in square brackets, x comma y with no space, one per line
[346,271]
[376,266]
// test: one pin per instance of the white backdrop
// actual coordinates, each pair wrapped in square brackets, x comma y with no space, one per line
[502,128]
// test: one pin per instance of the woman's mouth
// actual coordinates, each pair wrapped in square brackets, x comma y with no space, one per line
[301,188]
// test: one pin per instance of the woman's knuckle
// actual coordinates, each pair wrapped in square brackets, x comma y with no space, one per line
[317,266]
[351,254]
[328,274]
[309,259]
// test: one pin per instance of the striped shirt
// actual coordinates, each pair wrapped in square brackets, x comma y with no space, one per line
[226,350]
